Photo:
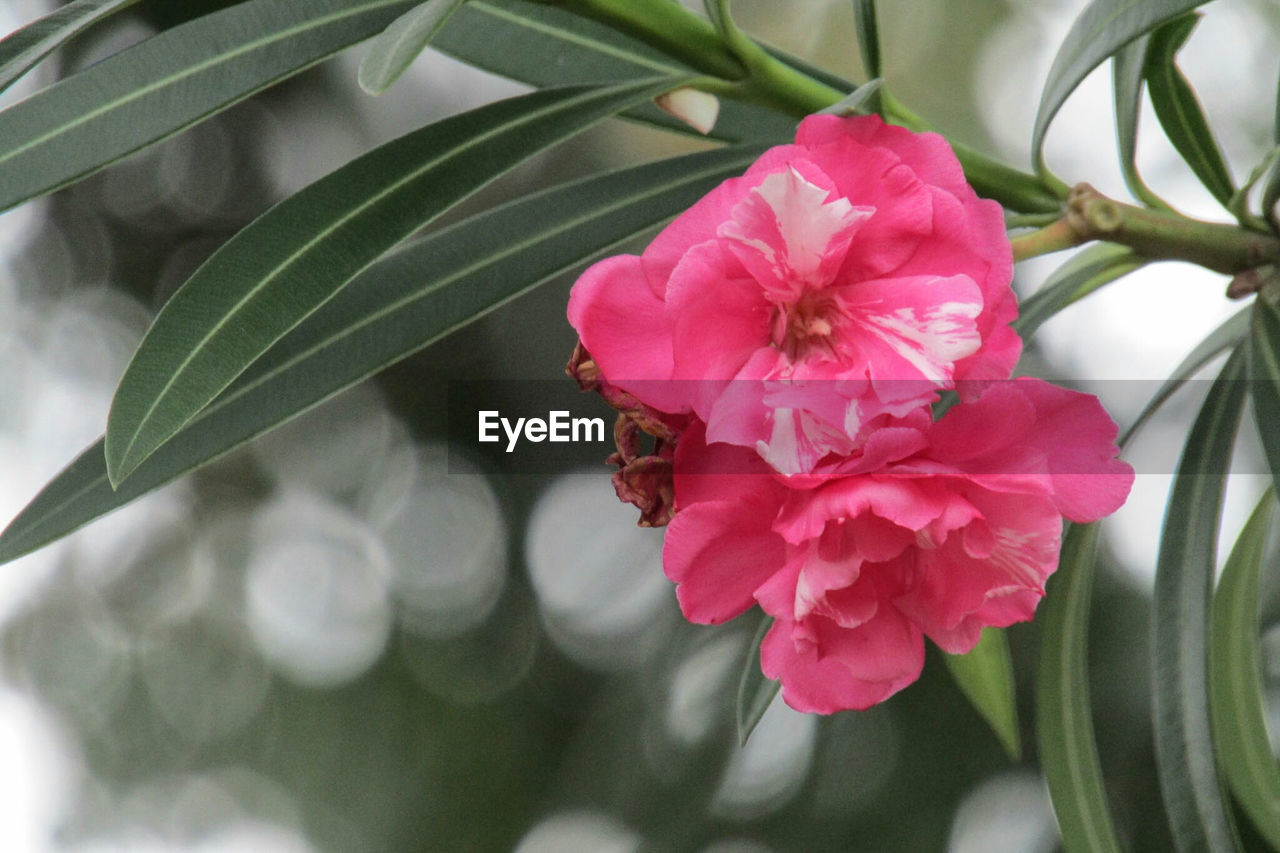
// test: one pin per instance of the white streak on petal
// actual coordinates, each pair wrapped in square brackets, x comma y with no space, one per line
[788,235]
[1021,554]
[931,343]
[798,440]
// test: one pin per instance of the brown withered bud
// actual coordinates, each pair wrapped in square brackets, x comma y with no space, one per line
[642,479]
[1252,281]
[582,369]
[657,424]
[647,483]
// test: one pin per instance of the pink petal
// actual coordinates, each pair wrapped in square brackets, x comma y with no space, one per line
[928,154]
[699,223]
[1023,431]
[624,327]
[907,502]
[798,440]
[968,238]
[738,414]
[821,573]
[845,668]
[777,593]
[789,235]
[1078,437]
[718,472]
[878,178]
[985,427]
[912,329]
[718,321]
[953,585]
[718,553]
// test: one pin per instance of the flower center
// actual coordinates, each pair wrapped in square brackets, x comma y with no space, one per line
[807,328]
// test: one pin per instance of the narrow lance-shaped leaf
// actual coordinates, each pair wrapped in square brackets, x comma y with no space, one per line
[1179,110]
[1225,337]
[399,44]
[1264,375]
[1185,757]
[755,692]
[1102,28]
[557,48]
[1275,122]
[1064,727]
[864,19]
[286,263]
[412,297]
[23,49]
[1068,748]
[1084,273]
[860,101]
[718,13]
[1235,672]
[168,82]
[985,676]
[1271,189]
[1126,81]
[1271,196]
[1239,203]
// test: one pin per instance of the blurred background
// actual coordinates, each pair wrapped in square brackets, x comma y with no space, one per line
[347,638]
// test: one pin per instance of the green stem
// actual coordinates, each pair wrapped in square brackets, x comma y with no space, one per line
[1013,188]
[1030,220]
[753,75]
[1052,238]
[1155,234]
[667,26]
[1160,234]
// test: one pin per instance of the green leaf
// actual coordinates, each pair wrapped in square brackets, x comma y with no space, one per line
[864,19]
[1015,190]
[1235,674]
[1185,755]
[858,102]
[289,261]
[1225,337]
[407,300]
[399,44]
[1275,122]
[755,692]
[1086,271]
[1064,727]
[1179,110]
[1126,87]
[1271,190]
[1102,28]
[1239,204]
[718,13]
[168,82]
[1271,195]
[1126,79]
[23,49]
[985,675]
[1264,376]
[558,48]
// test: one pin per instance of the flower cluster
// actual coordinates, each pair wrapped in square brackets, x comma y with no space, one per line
[784,340]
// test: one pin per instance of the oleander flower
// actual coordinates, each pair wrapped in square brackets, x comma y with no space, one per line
[843,278]
[932,529]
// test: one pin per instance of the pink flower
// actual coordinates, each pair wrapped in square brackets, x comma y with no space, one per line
[932,529]
[843,278]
